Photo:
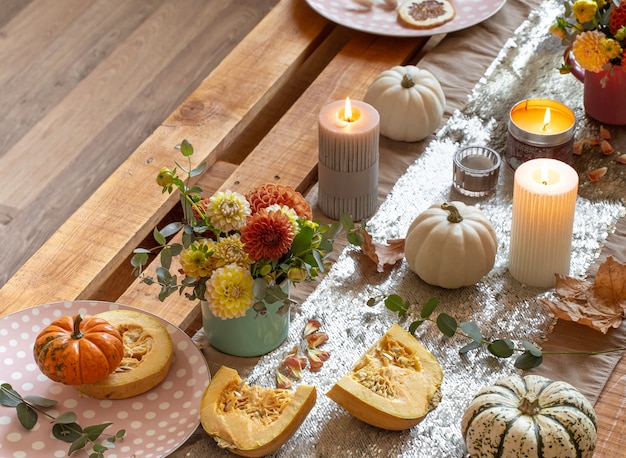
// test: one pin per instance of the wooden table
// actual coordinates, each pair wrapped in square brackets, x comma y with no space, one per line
[253,120]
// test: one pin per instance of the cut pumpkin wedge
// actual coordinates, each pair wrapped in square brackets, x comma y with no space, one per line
[250,420]
[394,385]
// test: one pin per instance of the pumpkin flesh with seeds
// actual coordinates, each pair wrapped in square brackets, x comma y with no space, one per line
[250,420]
[78,349]
[148,355]
[532,417]
[394,385]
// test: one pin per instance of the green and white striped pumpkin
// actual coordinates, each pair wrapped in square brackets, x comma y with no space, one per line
[531,417]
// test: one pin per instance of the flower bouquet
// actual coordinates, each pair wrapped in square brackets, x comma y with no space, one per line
[594,31]
[238,253]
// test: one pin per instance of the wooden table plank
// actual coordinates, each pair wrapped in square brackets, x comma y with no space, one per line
[89,247]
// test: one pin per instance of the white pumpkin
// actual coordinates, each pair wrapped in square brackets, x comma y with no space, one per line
[451,245]
[410,102]
[531,417]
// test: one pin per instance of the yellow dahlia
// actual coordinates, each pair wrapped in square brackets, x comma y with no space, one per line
[229,250]
[230,291]
[584,10]
[197,260]
[267,235]
[589,51]
[612,48]
[270,193]
[227,210]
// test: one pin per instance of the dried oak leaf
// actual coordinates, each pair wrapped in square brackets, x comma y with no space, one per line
[382,254]
[599,305]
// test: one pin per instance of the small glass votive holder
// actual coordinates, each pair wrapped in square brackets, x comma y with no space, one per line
[476,170]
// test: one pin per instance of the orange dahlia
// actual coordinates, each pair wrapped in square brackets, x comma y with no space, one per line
[270,193]
[267,234]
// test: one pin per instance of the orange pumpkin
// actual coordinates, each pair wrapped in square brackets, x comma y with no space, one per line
[78,350]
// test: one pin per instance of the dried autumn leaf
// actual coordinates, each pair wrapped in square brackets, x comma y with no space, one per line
[380,253]
[609,285]
[599,305]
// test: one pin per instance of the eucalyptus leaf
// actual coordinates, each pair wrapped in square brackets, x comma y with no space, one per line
[414,325]
[346,221]
[446,324]
[8,396]
[198,170]
[527,361]
[66,418]
[67,432]
[79,443]
[39,401]
[166,258]
[472,330]
[186,148]
[502,348]
[532,349]
[26,415]
[473,345]
[171,229]
[355,238]
[94,431]
[158,237]
[429,307]
[395,303]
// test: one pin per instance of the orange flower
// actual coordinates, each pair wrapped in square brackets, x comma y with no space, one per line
[589,51]
[267,235]
[270,193]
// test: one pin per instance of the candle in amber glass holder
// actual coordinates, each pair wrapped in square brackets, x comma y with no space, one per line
[544,201]
[476,170]
[348,159]
[540,128]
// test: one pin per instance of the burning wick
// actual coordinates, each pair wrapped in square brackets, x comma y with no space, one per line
[347,112]
[546,121]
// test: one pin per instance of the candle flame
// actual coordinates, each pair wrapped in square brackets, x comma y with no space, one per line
[347,112]
[546,121]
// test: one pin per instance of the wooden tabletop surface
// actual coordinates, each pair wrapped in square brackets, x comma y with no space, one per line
[253,120]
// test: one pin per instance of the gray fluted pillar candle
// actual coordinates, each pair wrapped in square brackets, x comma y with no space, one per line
[348,159]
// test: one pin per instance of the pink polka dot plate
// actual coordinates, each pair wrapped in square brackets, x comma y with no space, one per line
[383,20]
[156,422]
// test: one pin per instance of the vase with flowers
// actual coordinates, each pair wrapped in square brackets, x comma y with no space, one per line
[238,256]
[594,33]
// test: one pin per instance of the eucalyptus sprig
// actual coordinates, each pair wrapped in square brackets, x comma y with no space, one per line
[529,355]
[64,426]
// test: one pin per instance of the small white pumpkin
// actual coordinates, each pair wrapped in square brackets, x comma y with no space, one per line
[531,417]
[451,245]
[410,102]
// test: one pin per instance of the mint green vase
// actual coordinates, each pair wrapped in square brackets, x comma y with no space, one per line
[251,335]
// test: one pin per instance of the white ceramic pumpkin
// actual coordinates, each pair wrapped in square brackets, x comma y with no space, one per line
[451,245]
[410,102]
[532,417]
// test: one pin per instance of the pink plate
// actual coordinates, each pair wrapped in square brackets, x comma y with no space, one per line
[381,20]
[156,422]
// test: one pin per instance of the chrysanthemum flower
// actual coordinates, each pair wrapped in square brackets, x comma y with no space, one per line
[229,250]
[230,291]
[612,48]
[584,10]
[267,235]
[589,51]
[270,193]
[197,260]
[227,210]
[291,214]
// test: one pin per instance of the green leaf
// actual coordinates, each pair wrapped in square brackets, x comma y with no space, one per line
[334,230]
[158,237]
[372,301]
[302,241]
[473,345]
[94,431]
[198,170]
[67,432]
[472,330]
[502,348]
[26,415]
[8,396]
[355,238]
[166,258]
[346,221]
[171,229]
[66,418]
[79,443]
[39,401]
[532,349]
[446,324]
[414,325]
[429,307]
[186,148]
[527,361]
[139,260]
[395,303]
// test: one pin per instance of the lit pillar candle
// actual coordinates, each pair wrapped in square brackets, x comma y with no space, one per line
[544,201]
[540,128]
[348,159]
